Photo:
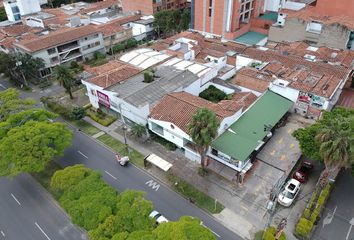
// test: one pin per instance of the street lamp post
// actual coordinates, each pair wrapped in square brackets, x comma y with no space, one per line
[19,64]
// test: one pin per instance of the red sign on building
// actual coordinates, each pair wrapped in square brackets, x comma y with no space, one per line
[103,99]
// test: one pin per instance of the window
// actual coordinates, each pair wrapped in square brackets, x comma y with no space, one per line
[45,72]
[246,10]
[210,12]
[157,128]
[51,51]
[54,60]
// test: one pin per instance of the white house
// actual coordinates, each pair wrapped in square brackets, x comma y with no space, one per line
[15,9]
[171,116]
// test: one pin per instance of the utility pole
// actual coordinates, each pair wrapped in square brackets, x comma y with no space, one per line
[124,127]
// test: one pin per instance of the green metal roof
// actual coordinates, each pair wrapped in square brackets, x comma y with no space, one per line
[251,38]
[242,137]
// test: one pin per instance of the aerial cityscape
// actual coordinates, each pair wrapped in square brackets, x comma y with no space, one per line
[176,120]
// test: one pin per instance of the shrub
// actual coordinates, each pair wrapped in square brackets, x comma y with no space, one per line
[167,144]
[148,77]
[74,64]
[138,130]
[118,48]
[56,107]
[101,117]
[202,171]
[131,43]
[303,228]
[78,113]
[99,55]
[213,94]
[269,234]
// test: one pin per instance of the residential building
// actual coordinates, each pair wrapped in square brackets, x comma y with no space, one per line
[15,9]
[150,7]
[62,46]
[245,21]
[312,78]
[142,28]
[328,23]
[129,93]
[170,117]
[238,146]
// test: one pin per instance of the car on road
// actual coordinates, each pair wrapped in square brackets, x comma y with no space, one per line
[303,171]
[289,192]
[159,218]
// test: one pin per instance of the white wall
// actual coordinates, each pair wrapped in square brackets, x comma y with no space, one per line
[228,121]
[271,5]
[243,61]
[28,6]
[137,115]
[34,22]
[293,5]
[286,92]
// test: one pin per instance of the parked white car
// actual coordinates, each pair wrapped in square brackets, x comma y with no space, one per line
[289,193]
[158,217]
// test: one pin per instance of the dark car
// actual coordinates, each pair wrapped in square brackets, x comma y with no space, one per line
[302,173]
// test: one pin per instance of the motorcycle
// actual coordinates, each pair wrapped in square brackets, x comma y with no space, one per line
[123,161]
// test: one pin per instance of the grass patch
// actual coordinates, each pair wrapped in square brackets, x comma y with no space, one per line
[199,198]
[134,156]
[86,127]
[45,176]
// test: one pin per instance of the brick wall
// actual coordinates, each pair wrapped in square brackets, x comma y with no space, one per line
[145,6]
[335,7]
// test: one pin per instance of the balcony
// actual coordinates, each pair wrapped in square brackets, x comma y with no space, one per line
[68,47]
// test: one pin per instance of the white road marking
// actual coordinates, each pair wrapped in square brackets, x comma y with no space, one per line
[201,223]
[2,233]
[82,154]
[154,185]
[18,202]
[111,175]
[328,219]
[39,227]
[350,228]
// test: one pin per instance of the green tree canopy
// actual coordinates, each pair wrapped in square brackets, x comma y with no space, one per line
[132,214]
[171,21]
[65,77]
[11,103]
[63,180]
[90,201]
[203,129]
[187,228]
[29,147]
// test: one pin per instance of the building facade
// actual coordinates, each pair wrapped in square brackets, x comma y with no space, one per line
[63,46]
[17,8]
[150,7]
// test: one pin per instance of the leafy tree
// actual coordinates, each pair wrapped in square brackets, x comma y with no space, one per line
[64,76]
[203,129]
[331,140]
[3,16]
[132,214]
[78,113]
[138,130]
[29,147]
[21,67]
[63,180]
[137,235]
[20,118]
[11,103]
[187,228]
[90,201]
[171,21]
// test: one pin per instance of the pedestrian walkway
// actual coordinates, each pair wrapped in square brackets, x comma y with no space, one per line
[244,213]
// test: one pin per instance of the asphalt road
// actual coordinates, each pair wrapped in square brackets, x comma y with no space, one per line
[28,212]
[338,218]
[87,151]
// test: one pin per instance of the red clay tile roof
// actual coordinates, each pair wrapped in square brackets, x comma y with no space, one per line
[99,5]
[252,79]
[309,14]
[179,108]
[55,38]
[111,73]
[15,30]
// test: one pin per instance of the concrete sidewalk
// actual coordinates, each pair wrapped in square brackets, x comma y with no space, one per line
[244,214]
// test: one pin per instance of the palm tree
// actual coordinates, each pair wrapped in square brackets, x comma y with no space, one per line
[336,141]
[64,76]
[203,129]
